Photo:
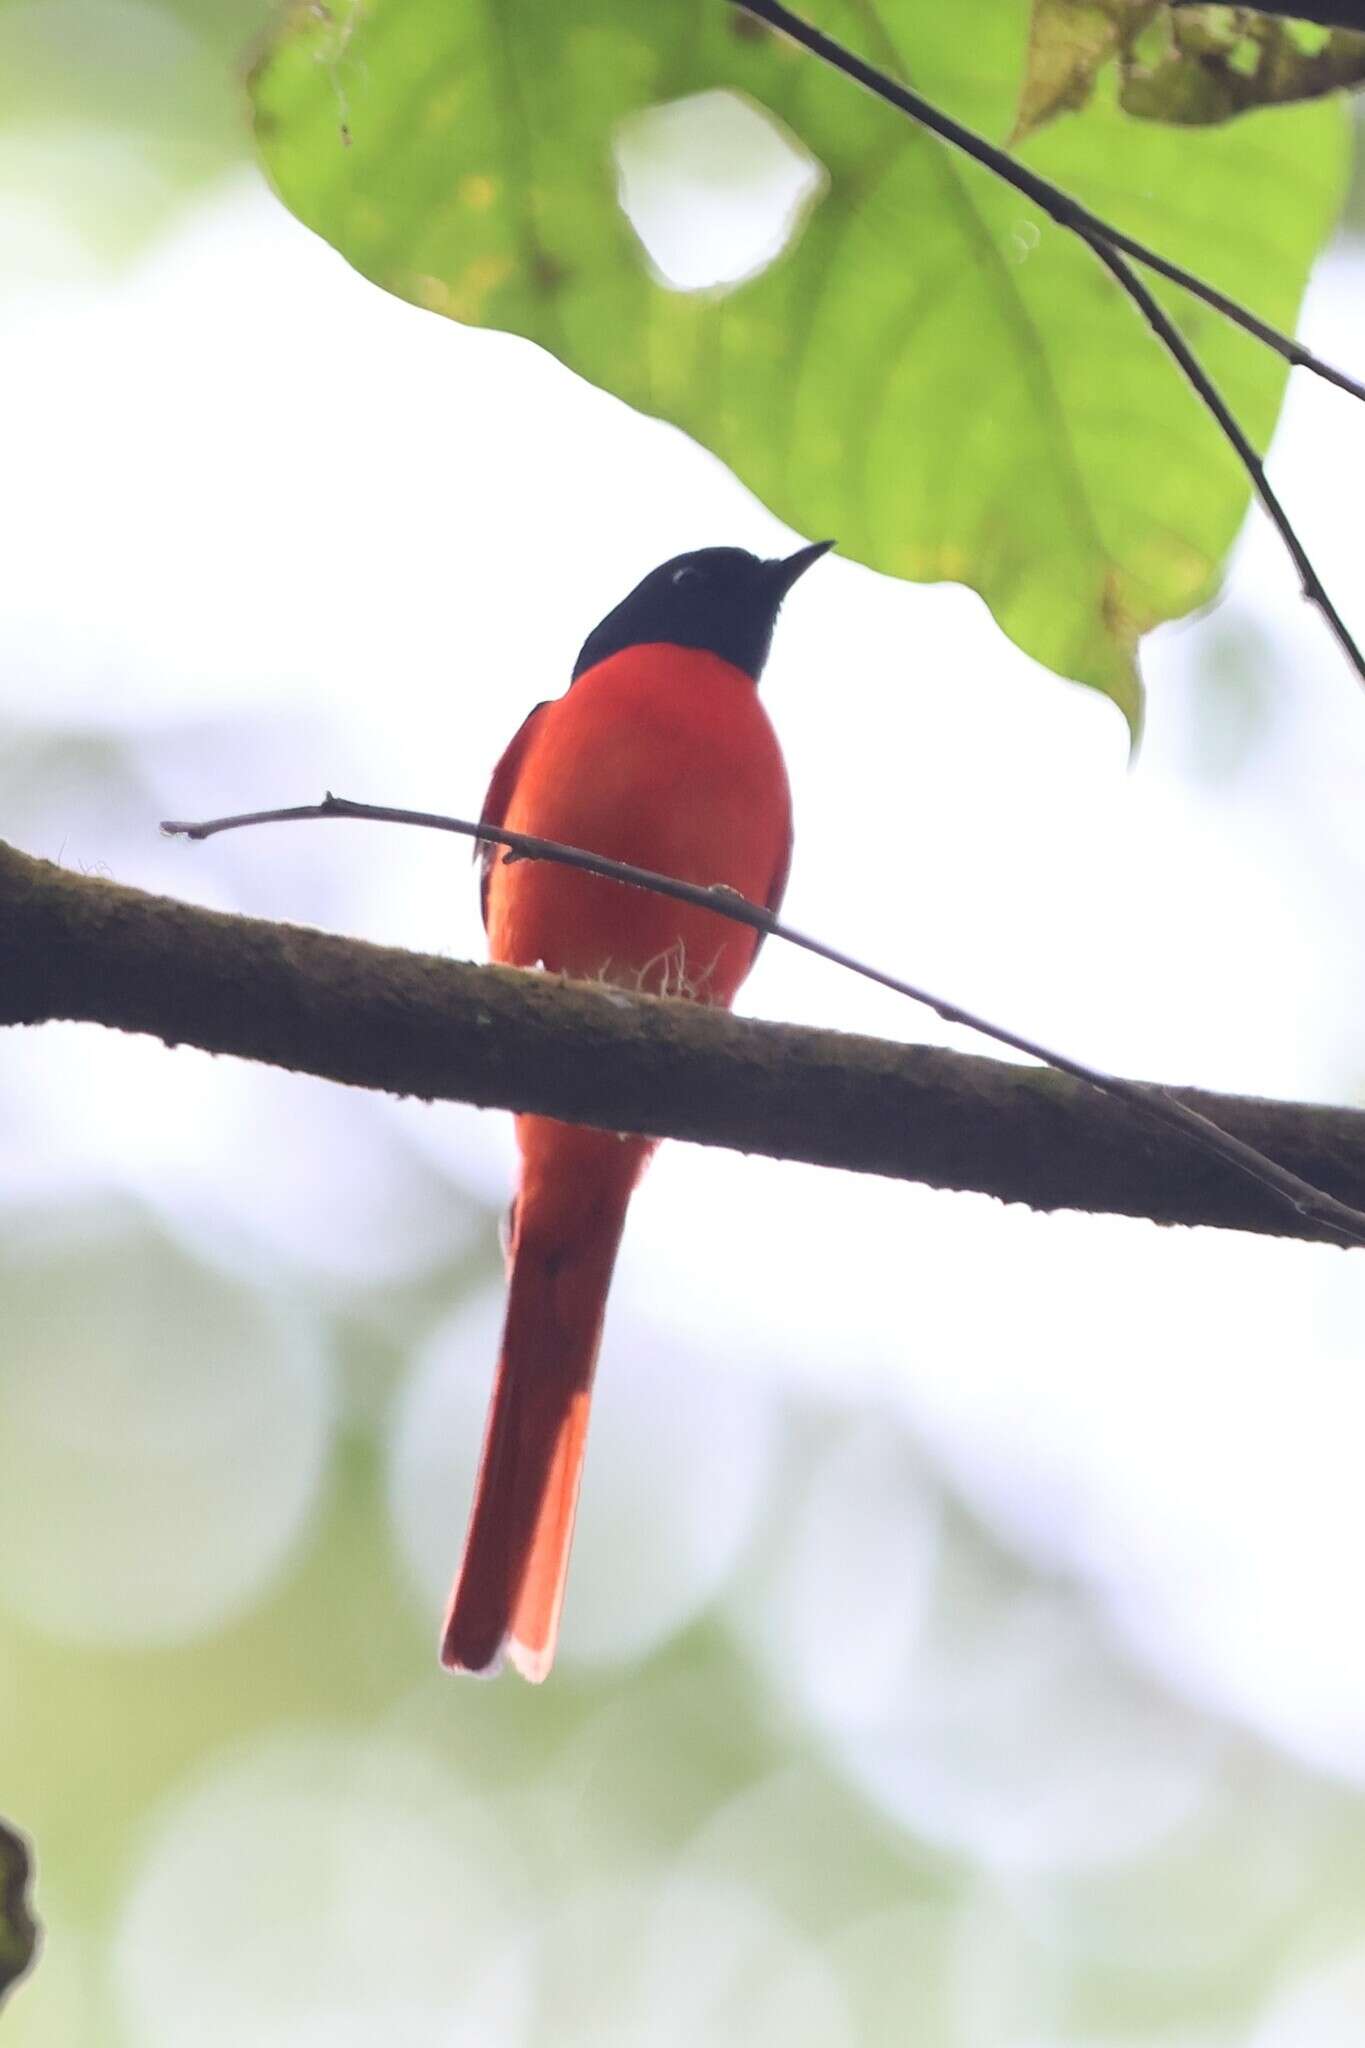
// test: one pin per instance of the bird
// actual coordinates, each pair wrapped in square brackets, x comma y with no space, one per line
[659,753]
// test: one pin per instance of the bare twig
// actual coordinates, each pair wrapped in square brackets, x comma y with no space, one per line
[1170,336]
[1111,245]
[1058,205]
[1152,1104]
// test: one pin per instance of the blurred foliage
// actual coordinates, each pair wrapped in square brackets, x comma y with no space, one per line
[943,381]
[1192,66]
[881,1784]
[17,1931]
[782,1841]
[114,112]
[1231,705]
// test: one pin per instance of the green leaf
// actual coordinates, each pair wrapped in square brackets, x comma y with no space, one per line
[18,1934]
[945,382]
[1193,66]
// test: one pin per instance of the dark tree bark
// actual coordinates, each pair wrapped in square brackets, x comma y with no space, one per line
[75,947]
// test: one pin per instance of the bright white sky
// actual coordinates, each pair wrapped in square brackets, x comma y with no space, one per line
[303,536]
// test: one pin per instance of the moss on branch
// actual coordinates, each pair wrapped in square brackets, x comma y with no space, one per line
[77,947]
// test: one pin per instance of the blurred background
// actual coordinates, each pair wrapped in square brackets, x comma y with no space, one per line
[963,1647]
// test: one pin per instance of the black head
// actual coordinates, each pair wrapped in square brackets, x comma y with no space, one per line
[719,599]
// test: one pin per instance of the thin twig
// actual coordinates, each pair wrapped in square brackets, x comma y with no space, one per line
[1169,334]
[77,948]
[1058,205]
[1112,247]
[1153,1103]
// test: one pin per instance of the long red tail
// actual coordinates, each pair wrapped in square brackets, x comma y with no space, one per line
[509,1589]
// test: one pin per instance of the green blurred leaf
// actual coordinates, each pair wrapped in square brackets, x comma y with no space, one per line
[949,385]
[112,112]
[1192,66]
[18,1934]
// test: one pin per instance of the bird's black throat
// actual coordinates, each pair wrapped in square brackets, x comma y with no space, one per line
[722,601]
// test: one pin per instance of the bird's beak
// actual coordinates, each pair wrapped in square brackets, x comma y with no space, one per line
[785,572]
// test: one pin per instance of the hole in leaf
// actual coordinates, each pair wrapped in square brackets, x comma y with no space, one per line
[715,187]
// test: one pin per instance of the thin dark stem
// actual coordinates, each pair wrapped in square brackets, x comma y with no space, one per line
[1058,205]
[1153,1104]
[1169,334]
[1112,246]
[1329,13]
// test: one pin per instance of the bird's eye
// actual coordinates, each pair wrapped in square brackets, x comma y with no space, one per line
[687,571]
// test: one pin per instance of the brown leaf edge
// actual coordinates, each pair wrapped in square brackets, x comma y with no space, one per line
[1070,42]
[1219,62]
[1194,66]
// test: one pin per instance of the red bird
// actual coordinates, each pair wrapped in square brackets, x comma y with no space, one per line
[660,754]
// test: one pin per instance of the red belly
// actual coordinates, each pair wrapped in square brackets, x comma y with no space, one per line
[663,757]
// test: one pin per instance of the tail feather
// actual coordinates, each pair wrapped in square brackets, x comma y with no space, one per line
[509,1590]
[534,1627]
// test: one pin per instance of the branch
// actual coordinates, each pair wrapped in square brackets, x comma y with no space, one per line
[18,1930]
[1107,241]
[1153,1104]
[77,947]
[1174,341]
[1058,205]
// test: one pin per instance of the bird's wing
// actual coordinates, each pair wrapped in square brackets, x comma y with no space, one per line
[777,888]
[499,797]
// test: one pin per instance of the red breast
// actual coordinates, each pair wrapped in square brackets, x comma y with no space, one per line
[665,757]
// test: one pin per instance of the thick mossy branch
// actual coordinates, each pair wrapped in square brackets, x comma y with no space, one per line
[18,1931]
[75,947]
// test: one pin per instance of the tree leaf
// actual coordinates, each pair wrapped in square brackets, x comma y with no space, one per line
[1070,41]
[1219,61]
[1191,65]
[18,1933]
[945,382]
